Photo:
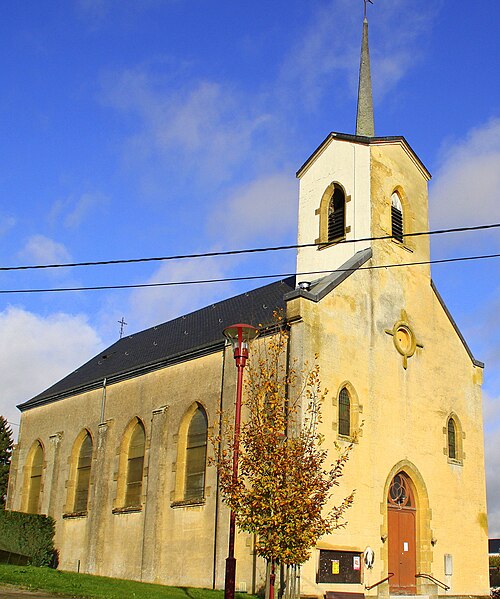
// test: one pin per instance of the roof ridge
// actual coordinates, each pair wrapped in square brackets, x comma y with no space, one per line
[218,303]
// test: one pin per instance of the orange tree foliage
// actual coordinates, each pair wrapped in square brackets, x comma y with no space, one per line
[284,480]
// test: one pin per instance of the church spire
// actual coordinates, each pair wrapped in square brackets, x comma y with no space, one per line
[364,120]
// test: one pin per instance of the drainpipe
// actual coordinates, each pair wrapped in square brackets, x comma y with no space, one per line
[103,400]
[217,493]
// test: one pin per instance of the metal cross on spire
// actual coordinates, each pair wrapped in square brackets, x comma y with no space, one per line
[365,1]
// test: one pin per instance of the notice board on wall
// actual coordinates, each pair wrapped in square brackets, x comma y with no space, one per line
[339,566]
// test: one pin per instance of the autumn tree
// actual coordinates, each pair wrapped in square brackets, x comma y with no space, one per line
[6,443]
[285,480]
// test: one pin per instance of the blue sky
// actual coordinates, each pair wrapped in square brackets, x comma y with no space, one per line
[149,128]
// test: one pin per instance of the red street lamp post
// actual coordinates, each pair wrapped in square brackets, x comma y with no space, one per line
[240,336]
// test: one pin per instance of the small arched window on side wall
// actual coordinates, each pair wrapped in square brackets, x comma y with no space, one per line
[397,229]
[135,466]
[452,439]
[336,214]
[344,413]
[83,475]
[35,480]
[196,456]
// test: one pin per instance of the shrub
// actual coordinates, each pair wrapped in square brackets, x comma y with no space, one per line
[495,578]
[29,534]
[495,572]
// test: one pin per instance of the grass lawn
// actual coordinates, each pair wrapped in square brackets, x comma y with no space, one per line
[97,587]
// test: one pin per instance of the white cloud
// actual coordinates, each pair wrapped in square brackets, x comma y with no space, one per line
[491,414]
[330,46]
[492,455]
[466,188]
[72,211]
[202,127]
[87,203]
[37,351]
[401,29]
[42,250]
[6,223]
[265,207]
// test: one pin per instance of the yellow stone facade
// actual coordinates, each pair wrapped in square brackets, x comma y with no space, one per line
[381,333]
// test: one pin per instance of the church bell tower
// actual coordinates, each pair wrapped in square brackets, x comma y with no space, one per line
[354,188]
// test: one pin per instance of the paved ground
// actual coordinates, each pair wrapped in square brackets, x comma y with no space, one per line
[16,593]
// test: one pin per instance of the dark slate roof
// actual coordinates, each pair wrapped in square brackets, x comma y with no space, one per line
[180,339]
[322,287]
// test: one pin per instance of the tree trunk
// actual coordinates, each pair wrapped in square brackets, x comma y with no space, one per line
[268,571]
[272,579]
[283,579]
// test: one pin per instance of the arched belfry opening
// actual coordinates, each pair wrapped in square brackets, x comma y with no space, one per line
[397,225]
[336,214]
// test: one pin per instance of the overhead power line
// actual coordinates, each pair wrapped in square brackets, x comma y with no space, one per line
[247,278]
[242,251]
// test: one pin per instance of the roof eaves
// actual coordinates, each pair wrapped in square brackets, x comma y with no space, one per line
[322,287]
[125,374]
[455,326]
[363,140]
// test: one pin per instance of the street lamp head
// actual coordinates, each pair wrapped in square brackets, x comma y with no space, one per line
[240,336]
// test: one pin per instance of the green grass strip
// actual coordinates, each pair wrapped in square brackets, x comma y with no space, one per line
[86,586]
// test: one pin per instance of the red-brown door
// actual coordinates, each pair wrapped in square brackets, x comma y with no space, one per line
[402,537]
[402,553]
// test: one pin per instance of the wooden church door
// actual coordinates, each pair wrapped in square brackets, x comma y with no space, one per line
[402,536]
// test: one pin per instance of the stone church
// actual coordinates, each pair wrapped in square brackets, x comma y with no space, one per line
[116,452]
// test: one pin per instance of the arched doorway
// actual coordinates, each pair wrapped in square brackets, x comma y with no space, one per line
[401,515]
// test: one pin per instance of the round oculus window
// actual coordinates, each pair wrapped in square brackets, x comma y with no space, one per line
[404,340]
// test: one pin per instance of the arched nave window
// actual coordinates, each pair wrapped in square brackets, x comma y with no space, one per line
[35,479]
[196,456]
[397,217]
[344,412]
[452,439]
[83,475]
[135,466]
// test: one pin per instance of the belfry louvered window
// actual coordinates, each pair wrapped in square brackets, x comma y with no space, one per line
[196,456]
[83,475]
[135,466]
[336,215]
[397,217]
[452,439]
[344,413]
